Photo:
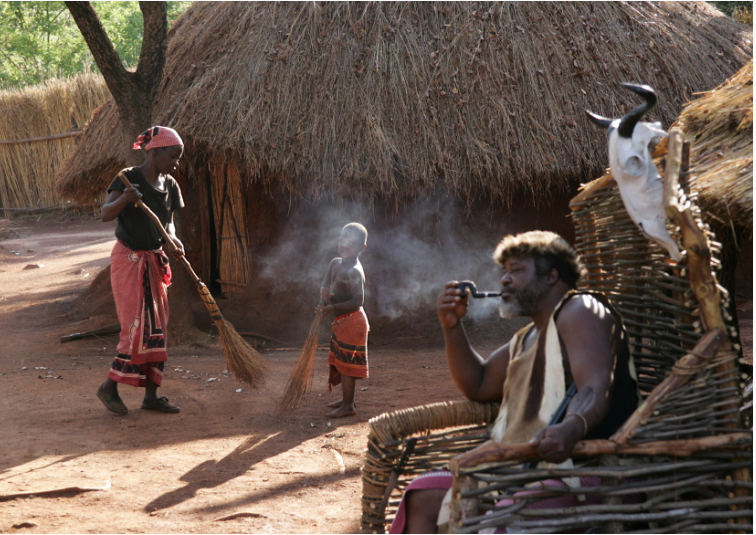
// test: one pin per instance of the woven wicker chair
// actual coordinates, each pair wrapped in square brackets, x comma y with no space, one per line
[682,462]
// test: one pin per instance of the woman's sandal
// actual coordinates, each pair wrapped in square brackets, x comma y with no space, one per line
[112,402]
[160,405]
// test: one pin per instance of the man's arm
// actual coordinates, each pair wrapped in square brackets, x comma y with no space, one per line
[477,378]
[585,327]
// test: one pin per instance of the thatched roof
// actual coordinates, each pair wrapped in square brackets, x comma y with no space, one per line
[392,99]
[720,127]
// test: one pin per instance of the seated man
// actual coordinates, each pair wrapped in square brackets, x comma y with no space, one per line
[573,337]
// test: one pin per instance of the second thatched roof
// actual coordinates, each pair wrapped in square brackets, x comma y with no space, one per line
[719,126]
[395,98]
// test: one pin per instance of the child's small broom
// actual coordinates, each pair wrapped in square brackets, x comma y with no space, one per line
[242,359]
[300,381]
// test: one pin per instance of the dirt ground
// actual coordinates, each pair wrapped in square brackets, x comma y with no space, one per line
[225,464]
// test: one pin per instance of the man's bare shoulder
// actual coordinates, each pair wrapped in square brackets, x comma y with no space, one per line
[584,312]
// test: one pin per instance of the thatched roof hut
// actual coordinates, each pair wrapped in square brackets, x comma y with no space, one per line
[371,109]
[391,98]
[720,126]
[38,126]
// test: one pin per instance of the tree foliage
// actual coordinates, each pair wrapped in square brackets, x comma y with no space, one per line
[41,40]
[731,8]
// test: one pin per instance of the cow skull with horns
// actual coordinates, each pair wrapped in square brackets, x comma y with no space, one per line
[639,182]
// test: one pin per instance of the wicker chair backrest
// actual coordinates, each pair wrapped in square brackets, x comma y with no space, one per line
[659,310]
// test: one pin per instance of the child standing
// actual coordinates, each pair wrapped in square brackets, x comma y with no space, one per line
[343,293]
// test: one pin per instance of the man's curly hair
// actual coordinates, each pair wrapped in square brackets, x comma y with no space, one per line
[549,250]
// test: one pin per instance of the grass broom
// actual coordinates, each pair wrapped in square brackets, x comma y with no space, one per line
[242,360]
[300,381]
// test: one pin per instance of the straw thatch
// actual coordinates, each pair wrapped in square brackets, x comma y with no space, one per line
[720,126]
[393,99]
[49,110]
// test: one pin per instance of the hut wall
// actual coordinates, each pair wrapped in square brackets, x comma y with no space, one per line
[412,251]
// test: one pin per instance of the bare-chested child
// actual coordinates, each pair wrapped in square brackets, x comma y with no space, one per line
[343,293]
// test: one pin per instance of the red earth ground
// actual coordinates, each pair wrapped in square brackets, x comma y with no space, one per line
[226,463]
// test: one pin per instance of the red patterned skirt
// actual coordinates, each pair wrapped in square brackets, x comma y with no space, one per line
[140,280]
[348,352]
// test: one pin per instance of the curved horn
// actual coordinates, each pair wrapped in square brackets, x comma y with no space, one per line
[628,122]
[603,122]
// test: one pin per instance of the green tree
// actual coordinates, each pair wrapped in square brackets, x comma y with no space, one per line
[41,40]
[730,8]
[133,91]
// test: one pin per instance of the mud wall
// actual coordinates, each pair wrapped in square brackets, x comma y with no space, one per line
[412,251]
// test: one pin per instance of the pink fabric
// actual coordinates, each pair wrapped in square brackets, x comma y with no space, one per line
[441,479]
[143,323]
[565,500]
[158,136]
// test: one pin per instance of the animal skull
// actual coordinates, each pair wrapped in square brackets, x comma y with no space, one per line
[639,182]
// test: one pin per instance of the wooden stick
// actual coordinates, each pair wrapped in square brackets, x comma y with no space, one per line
[702,280]
[110,329]
[672,169]
[43,138]
[45,209]
[493,452]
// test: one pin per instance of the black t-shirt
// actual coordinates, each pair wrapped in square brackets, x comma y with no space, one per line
[134,228]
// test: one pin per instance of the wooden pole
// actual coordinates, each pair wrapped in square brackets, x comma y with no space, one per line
[493,452]
[43,138]
[702,280]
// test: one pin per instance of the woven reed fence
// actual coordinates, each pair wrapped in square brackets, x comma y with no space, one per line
[230,216]
[461,425]
[38,131]
[660,314]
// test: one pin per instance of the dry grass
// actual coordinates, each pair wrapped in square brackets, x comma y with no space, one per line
[242,360]
[393,99]
[720,126]
[743,15]
[57,107]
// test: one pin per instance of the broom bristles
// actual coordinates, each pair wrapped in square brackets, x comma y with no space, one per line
[242,360]
[300,381]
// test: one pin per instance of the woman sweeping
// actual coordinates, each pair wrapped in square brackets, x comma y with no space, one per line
[139,269]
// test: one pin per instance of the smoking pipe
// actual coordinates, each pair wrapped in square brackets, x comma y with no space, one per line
[463,285]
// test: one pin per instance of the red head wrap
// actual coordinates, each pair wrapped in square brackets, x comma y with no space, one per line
[158,136]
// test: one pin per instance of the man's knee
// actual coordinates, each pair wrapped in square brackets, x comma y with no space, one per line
[422,510]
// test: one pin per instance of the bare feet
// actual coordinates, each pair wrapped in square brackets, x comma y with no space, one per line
[337,404]
[343,411]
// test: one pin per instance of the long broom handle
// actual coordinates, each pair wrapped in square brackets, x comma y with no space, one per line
[168,240]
